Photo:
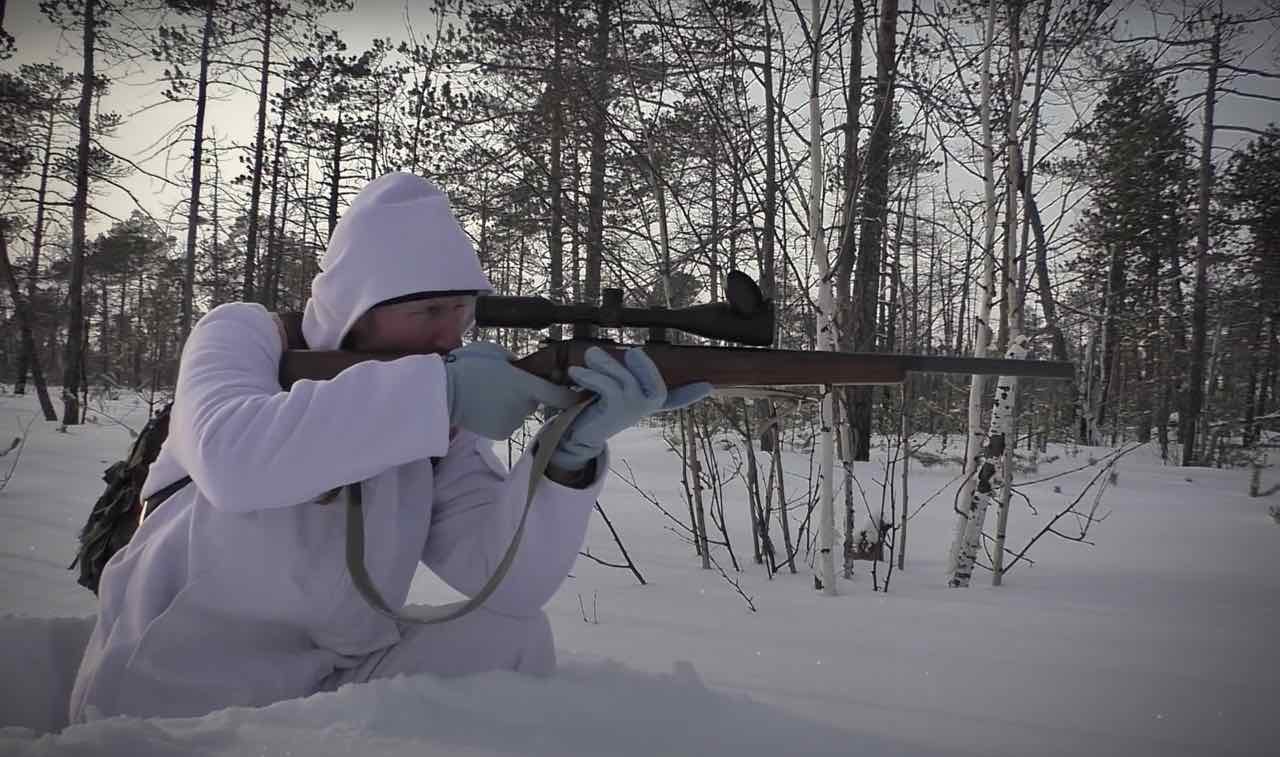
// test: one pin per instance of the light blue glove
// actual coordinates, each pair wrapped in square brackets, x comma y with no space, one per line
[492,397]
[624,395]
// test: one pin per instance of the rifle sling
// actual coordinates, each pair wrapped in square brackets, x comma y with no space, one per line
[150,504]
[547,440]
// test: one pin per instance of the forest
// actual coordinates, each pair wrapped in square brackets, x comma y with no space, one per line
[1076,180]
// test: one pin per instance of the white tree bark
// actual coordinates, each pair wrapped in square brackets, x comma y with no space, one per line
[1005,473]
[825,575]
[982,313]
[1014,269]
[993,470]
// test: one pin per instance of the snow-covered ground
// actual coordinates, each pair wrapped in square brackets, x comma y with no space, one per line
[1162,639]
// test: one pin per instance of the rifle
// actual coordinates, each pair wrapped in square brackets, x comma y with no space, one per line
[745,317]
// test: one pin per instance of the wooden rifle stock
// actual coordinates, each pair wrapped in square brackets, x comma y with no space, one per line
[721,366]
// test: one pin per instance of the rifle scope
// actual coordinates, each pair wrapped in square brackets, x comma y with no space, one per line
[746,317]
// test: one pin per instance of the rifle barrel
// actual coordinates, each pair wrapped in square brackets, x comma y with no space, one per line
[743,366]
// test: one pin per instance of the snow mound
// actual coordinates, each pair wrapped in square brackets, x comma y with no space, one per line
[590,706]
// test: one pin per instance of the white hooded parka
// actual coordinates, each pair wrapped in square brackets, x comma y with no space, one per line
[235,591]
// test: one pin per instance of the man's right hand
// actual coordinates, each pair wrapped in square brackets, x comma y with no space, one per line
[490,396]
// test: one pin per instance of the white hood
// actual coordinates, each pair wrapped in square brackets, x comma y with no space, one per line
[397,238]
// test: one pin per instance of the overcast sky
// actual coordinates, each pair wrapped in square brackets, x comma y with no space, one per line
[38,40]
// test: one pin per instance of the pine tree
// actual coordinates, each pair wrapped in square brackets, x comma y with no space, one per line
[1136,156]
[1251,194]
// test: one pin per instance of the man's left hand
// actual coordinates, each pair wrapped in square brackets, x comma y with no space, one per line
[626,392]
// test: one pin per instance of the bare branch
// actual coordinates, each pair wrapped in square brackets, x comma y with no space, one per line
[1255,95]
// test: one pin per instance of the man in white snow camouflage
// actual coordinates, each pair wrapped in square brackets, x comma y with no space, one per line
[236,592]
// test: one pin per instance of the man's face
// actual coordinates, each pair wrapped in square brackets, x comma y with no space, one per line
[431,325]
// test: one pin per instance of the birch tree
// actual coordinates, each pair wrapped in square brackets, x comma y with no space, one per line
[1012,302]
[968,503]
[825,577]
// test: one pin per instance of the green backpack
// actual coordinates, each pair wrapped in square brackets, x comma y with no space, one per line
[117,513]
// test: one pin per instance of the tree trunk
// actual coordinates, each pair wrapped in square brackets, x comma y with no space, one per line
[900,543]
[599,112]
[825,576]
[969,502]
[73,354]
[964,292]
[1199,310]
[23,311]
[255,193]
[104,333]
[26,357]
[755,506]
[335,171]
[1014,266]
[779,477]
[852,175]
[555,177]
[999,448]
[1109,354]
[215,252]
[197,164]
[693,474]
[866,285]
[271,291]
[767,274]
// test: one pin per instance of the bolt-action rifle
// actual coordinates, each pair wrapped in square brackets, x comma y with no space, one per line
[746,317]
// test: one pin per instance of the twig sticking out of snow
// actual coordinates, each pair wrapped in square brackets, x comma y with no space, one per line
[1083,520]
[18,444]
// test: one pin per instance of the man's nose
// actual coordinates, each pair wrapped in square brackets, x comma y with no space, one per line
[445,340]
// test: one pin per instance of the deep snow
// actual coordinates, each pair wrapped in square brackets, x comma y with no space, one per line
[1162,639]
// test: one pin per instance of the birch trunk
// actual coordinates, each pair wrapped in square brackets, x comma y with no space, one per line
[982,336]
[1015,267]
[999,447]
[825,573]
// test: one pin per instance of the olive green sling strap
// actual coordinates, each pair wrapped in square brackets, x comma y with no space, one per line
[547,440]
